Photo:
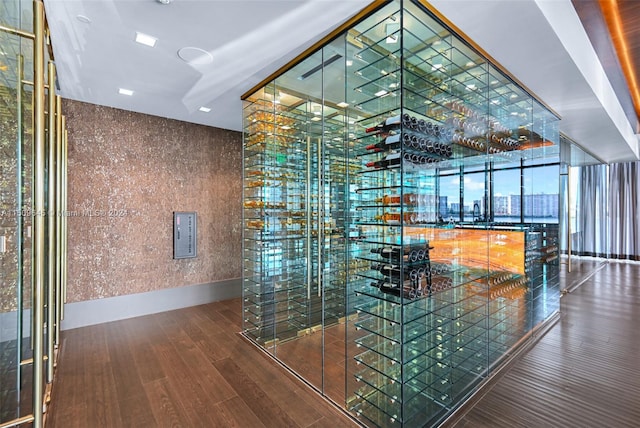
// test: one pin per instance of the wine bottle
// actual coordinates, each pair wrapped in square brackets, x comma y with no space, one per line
[250,203]
[393,271]
[393,160]
[407,198]
[390,142]
[408,254]
[389,123]
[408,218]
[406,289]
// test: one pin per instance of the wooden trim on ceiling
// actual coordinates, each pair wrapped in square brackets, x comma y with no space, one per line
[458,32]
[317,45]
[615,23]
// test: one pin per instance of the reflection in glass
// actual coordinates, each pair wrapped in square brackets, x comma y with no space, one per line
[396,244]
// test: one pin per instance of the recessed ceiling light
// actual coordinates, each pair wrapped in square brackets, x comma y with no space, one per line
[316,118]
[380,93]
[343,104]
[145,39]
[204,109]
[349,63]
[470,64]
[123,91]
[84,19]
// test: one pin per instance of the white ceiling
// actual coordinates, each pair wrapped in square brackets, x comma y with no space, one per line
[541,42]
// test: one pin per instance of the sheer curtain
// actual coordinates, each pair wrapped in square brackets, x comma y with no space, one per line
[590,238]
[624,210]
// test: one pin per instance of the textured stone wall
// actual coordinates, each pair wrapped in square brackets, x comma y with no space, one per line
[128,173]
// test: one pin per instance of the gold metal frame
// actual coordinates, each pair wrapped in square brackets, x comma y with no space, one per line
[17,32]
[51,202]
[48,278]
[61,216]
[39,151]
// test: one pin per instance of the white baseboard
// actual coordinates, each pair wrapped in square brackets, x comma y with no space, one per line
[91,312]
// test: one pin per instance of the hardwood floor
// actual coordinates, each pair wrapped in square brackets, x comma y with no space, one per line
[184,368]
[190,368]
[584,372]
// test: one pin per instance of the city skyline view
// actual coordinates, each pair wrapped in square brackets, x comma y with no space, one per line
[540,196]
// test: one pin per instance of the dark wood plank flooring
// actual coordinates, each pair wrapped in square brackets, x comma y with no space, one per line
[585,371]
[184,368]
[190,368]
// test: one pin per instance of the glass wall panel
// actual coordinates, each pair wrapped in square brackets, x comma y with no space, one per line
[15,224]
[416,269]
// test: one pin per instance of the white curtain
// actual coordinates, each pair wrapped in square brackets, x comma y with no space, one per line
[624,210]
[591,236]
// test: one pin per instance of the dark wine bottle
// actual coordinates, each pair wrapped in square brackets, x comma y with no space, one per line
[394,254]
[389,123]
[390,142]
[406,289]
[393,160]
[393,271]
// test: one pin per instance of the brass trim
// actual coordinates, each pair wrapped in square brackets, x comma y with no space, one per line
[30,83]
[17,32]
[39,251]
[51,218]
[17,422]
[30,360]
[458,32]
[60,212]
[376,4]
[19,202]
[64,237]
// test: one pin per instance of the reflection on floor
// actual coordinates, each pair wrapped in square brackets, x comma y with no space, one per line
[304,356]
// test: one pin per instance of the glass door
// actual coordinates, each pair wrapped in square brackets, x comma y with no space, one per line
[295,187]
[333,201]
[15,227]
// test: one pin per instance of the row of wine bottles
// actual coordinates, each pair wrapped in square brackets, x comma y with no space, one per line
[412,281]
[407,253]
[412,141]
[407,218]
[407,122]
[412,289]
[422,270]
[479,136]
[408,199]
[472,115]
[397,159]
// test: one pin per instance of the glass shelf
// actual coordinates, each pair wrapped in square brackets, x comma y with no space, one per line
[340,196]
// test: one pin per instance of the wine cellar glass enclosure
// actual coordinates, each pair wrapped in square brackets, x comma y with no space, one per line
[397,248]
